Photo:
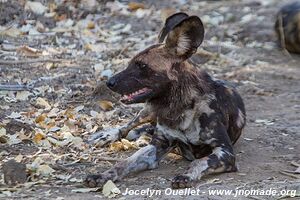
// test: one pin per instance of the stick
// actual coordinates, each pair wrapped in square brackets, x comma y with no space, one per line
[89,163]
[288,174]
[15,87]
[109,159]
[295,164]
[40,60]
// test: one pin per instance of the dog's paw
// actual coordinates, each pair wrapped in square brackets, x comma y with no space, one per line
[94,180]
[181,181]
[104,137]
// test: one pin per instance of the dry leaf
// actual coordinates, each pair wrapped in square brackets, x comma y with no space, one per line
[143,140]
[91,25]
[14,115]
[116,146]
[122,145]
[50,65]
[36,7]
[128,145]
[94,114]
[135,5]
[38,137]
[42,102]
[3,137]
[40,118]
[78,108]
[174,156]
[35,164]
[44,170]
[19,158]
[105,105]
[2,131]
[110,190]
[13,139]
[29,51]
[53,112]
[23,95]
[11,32]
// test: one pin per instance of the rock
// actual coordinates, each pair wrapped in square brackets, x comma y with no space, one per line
[106,73]
[36,7]
[14,172]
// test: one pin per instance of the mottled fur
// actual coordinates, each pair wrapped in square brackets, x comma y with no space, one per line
[200,116]
[287,27]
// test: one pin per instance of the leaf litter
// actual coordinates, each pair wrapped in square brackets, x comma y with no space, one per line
[67,48]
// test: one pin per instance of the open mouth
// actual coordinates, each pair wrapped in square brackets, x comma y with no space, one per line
[138,96]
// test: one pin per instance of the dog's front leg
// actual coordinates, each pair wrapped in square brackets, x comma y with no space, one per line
[106,136]
[221,159]
[145,158]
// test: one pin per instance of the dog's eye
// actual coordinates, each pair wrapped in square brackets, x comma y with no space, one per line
[142,65]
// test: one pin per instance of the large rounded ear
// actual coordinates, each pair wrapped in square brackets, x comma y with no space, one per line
[170,23]
[185,37]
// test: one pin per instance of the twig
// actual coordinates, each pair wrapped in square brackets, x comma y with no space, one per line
[89,163]
[295,164]
[39,60]
[291,172]
[253,197]
[288,174]
[15,87]
[109,159]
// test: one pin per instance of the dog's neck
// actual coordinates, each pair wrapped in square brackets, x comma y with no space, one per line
[181,95]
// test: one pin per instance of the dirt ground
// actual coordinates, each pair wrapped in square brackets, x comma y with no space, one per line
[242,48]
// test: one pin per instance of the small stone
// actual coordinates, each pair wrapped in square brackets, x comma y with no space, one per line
[106,73]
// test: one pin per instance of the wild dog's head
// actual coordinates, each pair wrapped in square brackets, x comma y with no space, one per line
[150,74]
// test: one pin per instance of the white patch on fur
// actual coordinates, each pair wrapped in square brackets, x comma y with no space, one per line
[147,155]
[171,134]
[183,44]
[209,141]
[193,132]
[189,129]
[197,167]
[240,119]
[191,125]
[218,151]
[189,118]
[203,105]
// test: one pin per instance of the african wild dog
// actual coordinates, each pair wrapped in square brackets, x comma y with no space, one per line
[200,116]
[287,27]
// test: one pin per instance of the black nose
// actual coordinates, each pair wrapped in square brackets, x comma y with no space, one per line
[111,82]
